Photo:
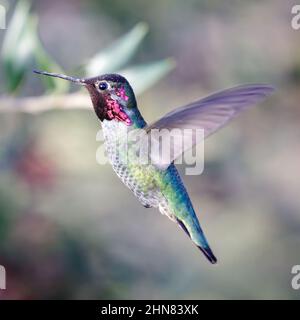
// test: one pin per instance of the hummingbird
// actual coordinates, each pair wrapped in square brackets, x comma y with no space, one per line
[159,185]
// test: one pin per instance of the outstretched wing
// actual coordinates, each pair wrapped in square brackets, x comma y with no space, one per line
[209,114]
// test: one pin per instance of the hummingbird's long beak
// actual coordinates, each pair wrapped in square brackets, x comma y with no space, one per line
[61,76]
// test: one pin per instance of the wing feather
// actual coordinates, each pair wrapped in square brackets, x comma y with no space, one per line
[209,114]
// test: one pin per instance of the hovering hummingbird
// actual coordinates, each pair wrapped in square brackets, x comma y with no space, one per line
[159,185]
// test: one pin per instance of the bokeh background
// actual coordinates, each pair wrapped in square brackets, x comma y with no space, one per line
[69,229]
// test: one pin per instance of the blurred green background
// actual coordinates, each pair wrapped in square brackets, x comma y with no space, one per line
[70,229]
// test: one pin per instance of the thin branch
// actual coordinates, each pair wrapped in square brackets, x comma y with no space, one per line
[39,104]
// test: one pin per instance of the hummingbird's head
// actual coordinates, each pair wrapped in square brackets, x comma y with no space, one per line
[111,95]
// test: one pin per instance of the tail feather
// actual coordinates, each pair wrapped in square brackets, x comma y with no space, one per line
[205,250]
[208,254]
[183,227]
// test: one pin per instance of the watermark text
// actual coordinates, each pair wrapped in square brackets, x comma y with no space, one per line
[296,278]
[2,278]
[295,22]
[2,17]
[157,147]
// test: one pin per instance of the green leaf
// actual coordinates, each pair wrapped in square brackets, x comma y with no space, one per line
[144,76]
[118,54]
[21,45]
[45,62]
[18,45]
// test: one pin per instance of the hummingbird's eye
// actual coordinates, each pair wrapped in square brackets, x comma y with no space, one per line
[103,86]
